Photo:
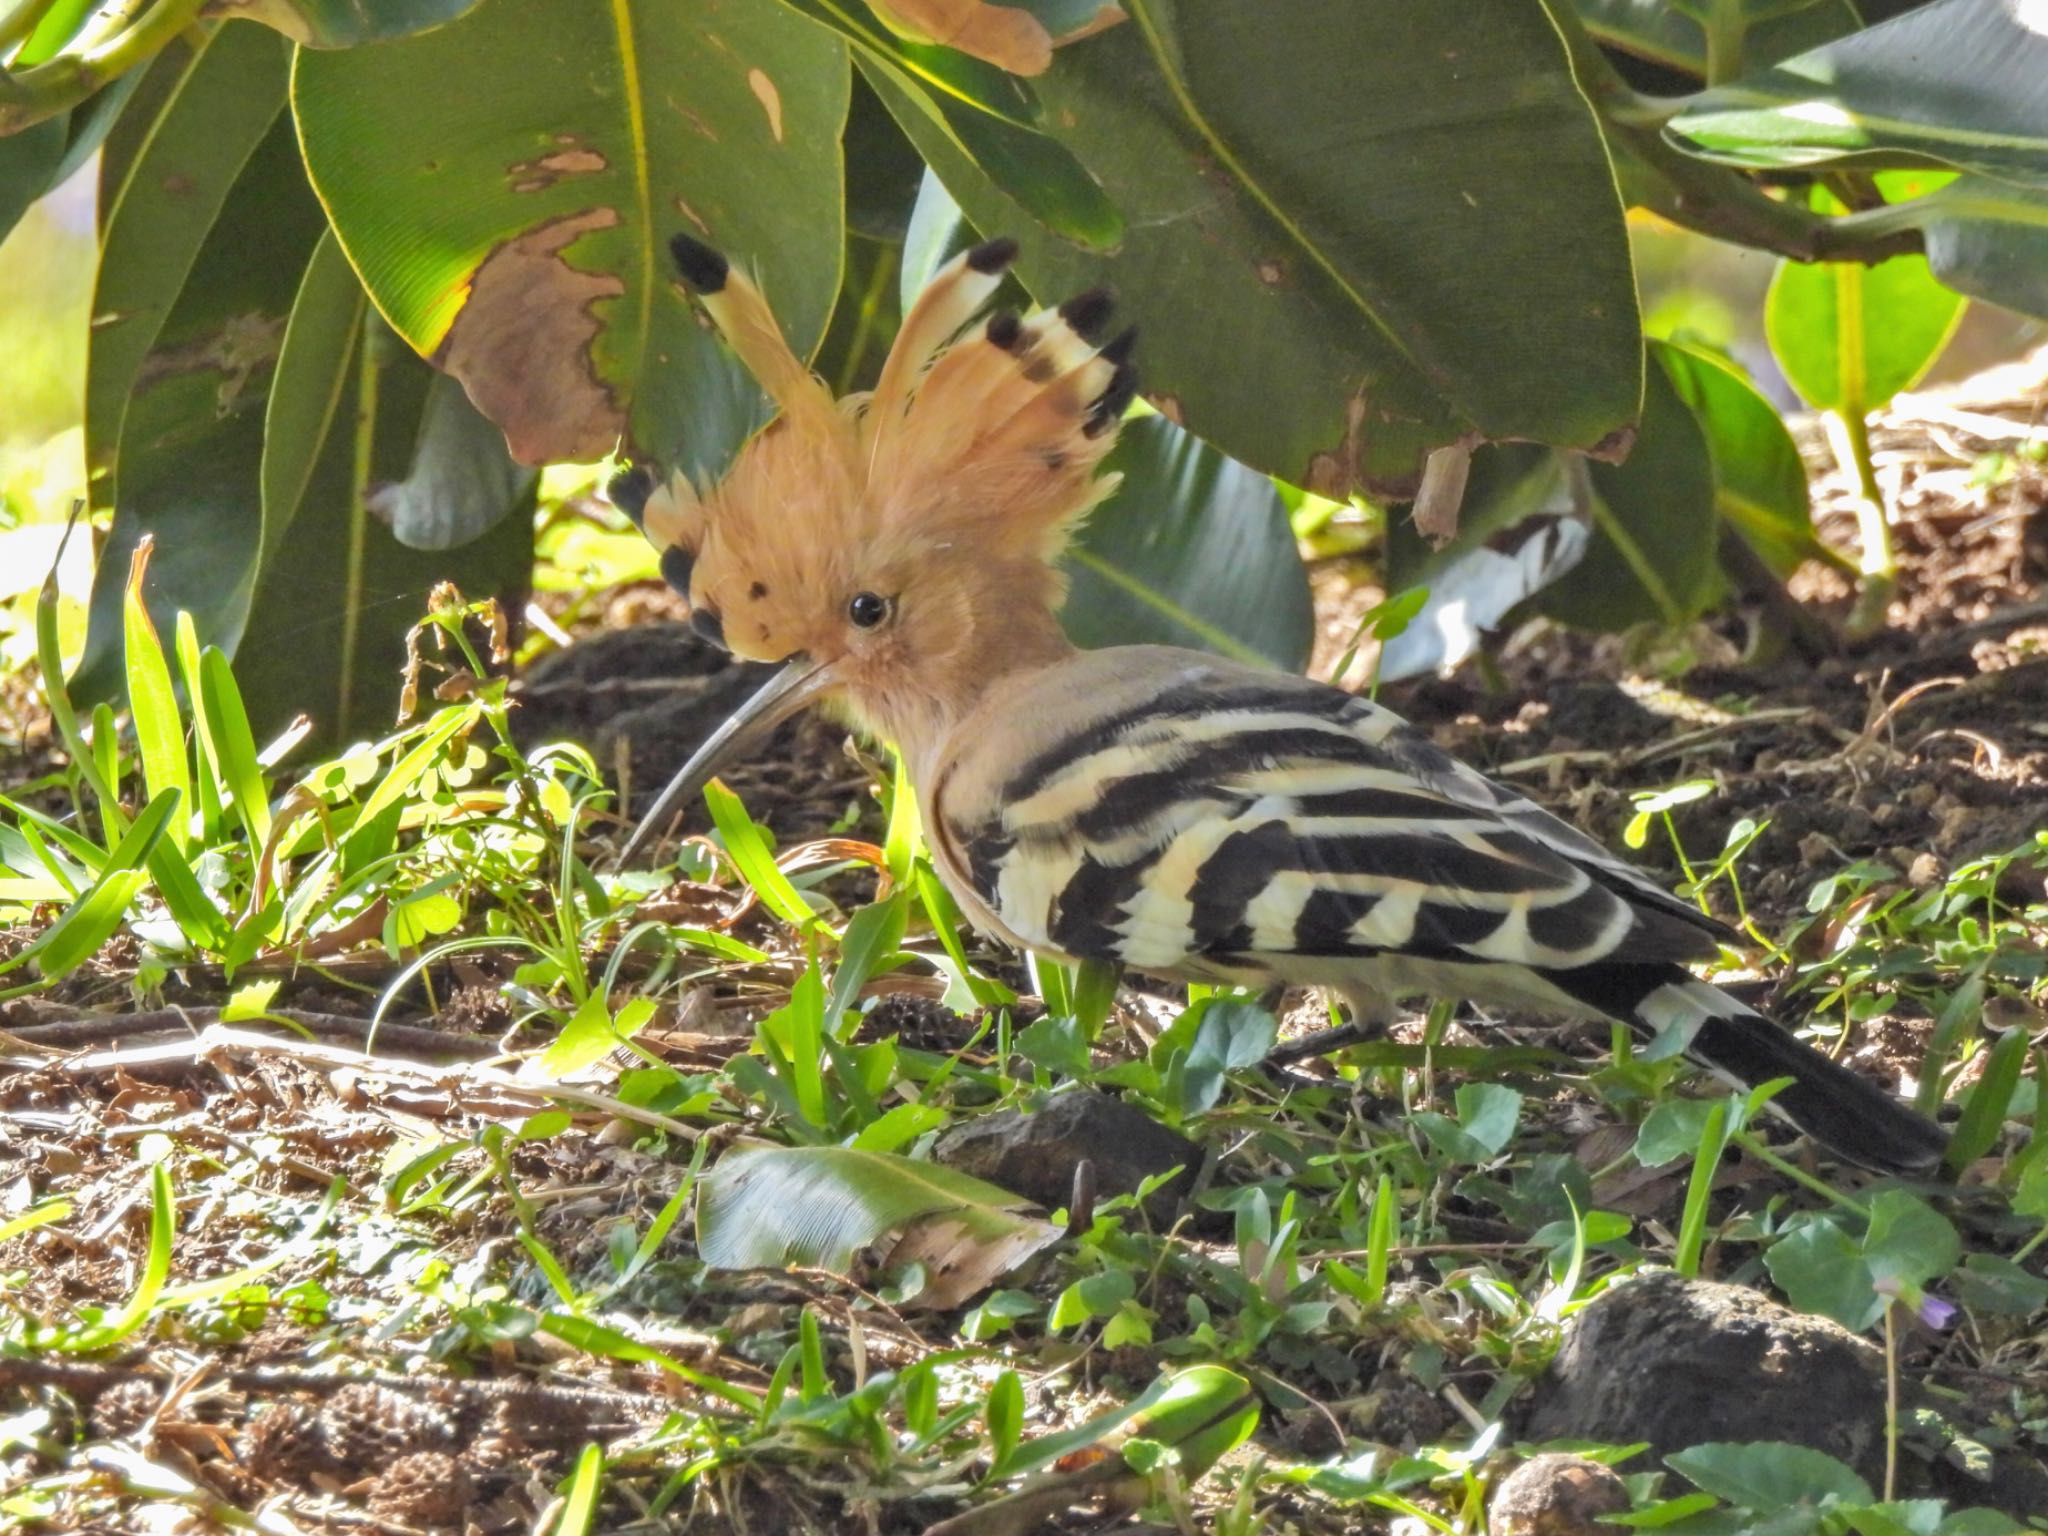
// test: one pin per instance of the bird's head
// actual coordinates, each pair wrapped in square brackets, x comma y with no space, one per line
[890,549]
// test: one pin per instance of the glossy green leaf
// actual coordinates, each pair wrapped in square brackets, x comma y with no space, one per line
[943,71]
[769,1207]
[1652,555]
[1984,238]
[1329,305]
[1675,36]
[1768,1475]
[344,23]
[28,166]
[338,590]
[461,481]
[191,445]
[524,248]
[1954,83]
[1759,479]
[1042,178]
[156,220]
[1849,337]
[308,393]
[1206,1412]
[1194,549]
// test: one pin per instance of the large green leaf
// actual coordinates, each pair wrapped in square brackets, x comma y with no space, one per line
[1985,238]
[507,184]
[1675,36]
[1759,479]
[1960,82]
[218,105]
[1040,176]
[344,23]
[944,71]
[191,438]
[1849,337]
[364,443]
[28,164]
[1652,556]
[1349,238]
[766,1207]
[1769,1475]
[1194,549]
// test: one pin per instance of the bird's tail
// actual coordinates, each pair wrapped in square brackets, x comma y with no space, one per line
[1845,1112]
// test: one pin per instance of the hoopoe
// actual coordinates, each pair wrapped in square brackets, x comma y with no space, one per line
[1175,813]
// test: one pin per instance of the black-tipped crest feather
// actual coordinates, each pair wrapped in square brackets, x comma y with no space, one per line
[703,268]
[992,256]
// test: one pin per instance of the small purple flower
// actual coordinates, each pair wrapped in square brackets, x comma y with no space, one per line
[1931,1310]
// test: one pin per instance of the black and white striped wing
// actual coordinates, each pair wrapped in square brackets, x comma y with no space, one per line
[1235,824]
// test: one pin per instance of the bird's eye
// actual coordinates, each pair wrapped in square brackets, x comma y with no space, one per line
[867,610]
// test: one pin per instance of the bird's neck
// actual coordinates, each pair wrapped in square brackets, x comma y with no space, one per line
[919,710]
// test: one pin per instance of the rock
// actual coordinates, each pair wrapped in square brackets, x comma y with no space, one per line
[1554,1495]
[1680,1362]
[1035,1155]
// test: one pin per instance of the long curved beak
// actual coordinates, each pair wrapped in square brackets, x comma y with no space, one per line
[799,682]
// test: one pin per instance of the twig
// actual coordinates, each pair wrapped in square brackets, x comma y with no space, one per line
[467,1085]
[98,1028]
[86,1377]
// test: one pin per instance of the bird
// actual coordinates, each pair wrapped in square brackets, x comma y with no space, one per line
[1164,810]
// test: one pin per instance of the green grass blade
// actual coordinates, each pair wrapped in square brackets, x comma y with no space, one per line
[1380,1236]
[37,831]
[1985,1109]
[307,1241]
[91,920]
[50,658]
[905,837]
[598,1339]
[189,905]
[227,724]
[40,1216]
[750,856]
[1692,1230]
[870,938]
[206,785]
[579,1510]
[152,702]
[407,771]
[155,1270]
[106,758]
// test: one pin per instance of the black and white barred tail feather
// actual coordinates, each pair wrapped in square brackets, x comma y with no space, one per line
[1192,818]
[1832,1104]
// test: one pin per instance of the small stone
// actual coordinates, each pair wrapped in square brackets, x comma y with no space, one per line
[1556,1495]
[1815,850]
[1924,872]
[1034,1155]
